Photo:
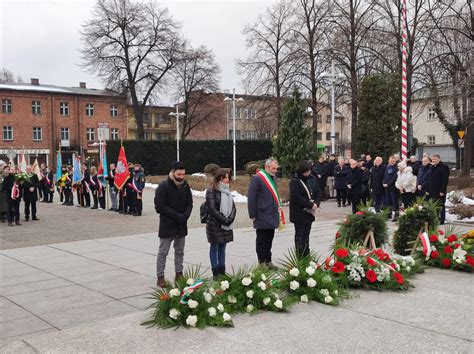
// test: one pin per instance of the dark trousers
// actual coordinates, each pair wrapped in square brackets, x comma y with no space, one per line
[102,200]
[130,202]
[30,204]
[391,200]
[13,209]
[442,211]
[61,195]
[95,196]
[407,199]
[68,197]
[264,245]
[302,232]
[365,196]
[341,195]
[355,199]
[379,201]
[138,204]
[49,196]
[86,198]
[217,255]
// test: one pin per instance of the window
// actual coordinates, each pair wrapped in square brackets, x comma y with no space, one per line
[237,135]
[64,108]
[37,134]
[249,135]
[431,139]
[6,106]
[320,118]
[36,107]
[249,113]
[114,134]
[113,110]
[90,134]
[238,112]
[7,133]
[328,136]
[431,114]
[146,118]
[319,136]
[164,119]
[337,136]
[162,136]
[89,109]
[64,133]
[328,118]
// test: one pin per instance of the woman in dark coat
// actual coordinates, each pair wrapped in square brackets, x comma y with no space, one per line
[94,187]
[340,182]
[422,180]
[304,202]
[222,211]
[354,184]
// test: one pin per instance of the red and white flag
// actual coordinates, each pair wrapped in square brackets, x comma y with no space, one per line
[425,241]
[121,171]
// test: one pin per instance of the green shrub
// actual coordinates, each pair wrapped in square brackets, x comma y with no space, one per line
[211,168]
[252,166]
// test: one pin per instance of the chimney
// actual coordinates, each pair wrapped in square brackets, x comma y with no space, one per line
[35,81]
[82,85]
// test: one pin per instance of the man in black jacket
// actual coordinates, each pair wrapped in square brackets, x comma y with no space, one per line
[13,204]
[320,171]
[330,182]
[354,184]
[174,203]
[438,177]
[391,193]
[376,183]
[30,194]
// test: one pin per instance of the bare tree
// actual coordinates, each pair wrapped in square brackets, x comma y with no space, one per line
[196,75]
[131,46]
[6,76]
[270,68]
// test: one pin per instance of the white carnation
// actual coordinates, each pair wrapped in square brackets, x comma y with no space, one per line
[263,277]
[190,281]
[294,285]
[313,264]
[220,307]
[212,311]
[226,317]
[327,279]
[231,299]
[249,294]
[174,292]
[207,297]
[212,291]
[328,299]
[192,304]
[191,320]
[224,285]
[324,292]
[310,270]
[408,268]
[304,298]
[294,272]
[174,314]
[250,308]
[311,282]
[262,286]
[335,292]
[266,301]
[278,304]
[246,281]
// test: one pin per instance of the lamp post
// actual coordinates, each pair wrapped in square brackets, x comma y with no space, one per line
[178,115]
[234,148]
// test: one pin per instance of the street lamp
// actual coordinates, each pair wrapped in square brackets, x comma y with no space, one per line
[332,77]
[177,115]
[234,151]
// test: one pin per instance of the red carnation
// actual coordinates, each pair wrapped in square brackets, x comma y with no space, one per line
[393,265]
[382,255]
[434,238]
[448,249]
[441,232]
[338,234]
[452,238]
[371,262]
[457,245]
[446,262]
[399,278]
[342,253]
[434,254]
[338,267]
[360,213]
[470,260]
[371,276]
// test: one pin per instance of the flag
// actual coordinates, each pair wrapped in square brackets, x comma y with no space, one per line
[102,171]
[22,162]
[121,171]
[58,166]
[76,169]
[36,169]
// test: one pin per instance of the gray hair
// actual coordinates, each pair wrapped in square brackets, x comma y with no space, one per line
[270,160]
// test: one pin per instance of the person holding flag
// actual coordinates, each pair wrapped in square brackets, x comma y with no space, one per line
[48,191]
[112,188]
[137,183]
[265,210]
[85,187]
[13,195]
[122,174]
[59,174]
[77,178]
[67,176]
[102,174]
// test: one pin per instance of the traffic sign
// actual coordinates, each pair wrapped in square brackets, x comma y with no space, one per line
[461,143]
[461,134]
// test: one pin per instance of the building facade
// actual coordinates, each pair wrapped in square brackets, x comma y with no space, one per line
[157,123]
[38,119]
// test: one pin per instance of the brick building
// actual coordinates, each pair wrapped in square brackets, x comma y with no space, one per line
[157,123]
[36,119]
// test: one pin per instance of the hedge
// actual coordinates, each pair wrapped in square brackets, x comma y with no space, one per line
[156,156]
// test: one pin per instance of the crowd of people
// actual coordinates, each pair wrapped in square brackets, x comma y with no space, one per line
[350,182]
[31,187]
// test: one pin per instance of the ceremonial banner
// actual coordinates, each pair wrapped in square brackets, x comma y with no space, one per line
[121,171]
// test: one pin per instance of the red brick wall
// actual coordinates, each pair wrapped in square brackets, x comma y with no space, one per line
[214,128]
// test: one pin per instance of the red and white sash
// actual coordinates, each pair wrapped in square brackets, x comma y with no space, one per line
[270,184]
[15,191]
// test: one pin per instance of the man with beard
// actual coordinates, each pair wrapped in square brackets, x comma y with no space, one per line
[30,194]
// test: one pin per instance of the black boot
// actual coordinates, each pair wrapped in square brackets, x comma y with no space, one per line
[215,273]
[221,270]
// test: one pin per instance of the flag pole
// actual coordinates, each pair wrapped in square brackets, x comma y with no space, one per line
[404,138]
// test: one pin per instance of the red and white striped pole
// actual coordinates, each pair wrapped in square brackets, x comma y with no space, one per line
[404,81]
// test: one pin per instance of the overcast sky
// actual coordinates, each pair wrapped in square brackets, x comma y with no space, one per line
[40,38]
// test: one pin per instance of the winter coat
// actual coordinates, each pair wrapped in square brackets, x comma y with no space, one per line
[331,166]
[368,164]
[3,197]
[139,180]
[390,177]
[354,178]
[321,169]
[299,200]
[365,181]
[422,178]
[261,205]
[214,231]
[415,166]
[111,179]
[27,195]
[438,177]
[340,177]
[174,206]
[406,180]
[376,180]
[7,186]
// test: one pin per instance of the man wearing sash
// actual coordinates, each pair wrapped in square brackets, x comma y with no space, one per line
[138,183]
[264,206]
[85,188]
[112,188]
[68,198]
[30,194]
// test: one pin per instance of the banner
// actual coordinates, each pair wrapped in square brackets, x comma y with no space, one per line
[102,171]
[76,165]
[121,171]
[58,165]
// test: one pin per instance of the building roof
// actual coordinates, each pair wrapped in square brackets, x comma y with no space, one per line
[57,89]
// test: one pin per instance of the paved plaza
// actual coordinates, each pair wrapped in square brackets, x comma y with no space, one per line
[91,296]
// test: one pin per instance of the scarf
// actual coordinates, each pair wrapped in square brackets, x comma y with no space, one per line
[227,203]
[178,184]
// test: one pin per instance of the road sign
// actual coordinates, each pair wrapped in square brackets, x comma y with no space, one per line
[461,143]
[461,134]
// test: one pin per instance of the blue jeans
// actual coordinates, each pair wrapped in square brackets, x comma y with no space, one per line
[391,198]
[379,201]
[217,254]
